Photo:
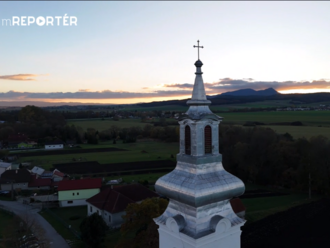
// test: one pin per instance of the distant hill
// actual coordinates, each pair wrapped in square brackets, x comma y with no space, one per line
[251,92]
[241,99]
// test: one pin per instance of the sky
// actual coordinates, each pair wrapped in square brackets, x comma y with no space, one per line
[130,52]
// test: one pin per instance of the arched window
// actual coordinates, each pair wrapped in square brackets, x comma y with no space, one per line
[208,139]
[187,140]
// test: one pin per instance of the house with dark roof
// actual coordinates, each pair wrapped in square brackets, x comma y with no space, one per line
[4,166]
[111,202]
[39,183]
[16,179]
[76,192]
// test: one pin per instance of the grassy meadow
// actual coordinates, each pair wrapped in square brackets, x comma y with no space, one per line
[312,118]
[315,122]
[152,150]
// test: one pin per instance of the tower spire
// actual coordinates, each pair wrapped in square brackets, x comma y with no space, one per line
[198,46]
[199,213]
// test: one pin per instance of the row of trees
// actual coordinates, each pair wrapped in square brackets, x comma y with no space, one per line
[41,126]
[261,156]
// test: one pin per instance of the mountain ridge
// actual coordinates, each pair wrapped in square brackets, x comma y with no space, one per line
[251,92]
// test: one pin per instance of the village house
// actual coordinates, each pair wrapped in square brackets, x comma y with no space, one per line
[37,171]
[39,183]
[111,202]
[57,175]
[58,144]
[75,192]
[15,179]
[4,166]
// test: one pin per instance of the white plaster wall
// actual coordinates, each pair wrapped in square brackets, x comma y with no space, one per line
[15,186]
[49,147]
[116,219]
[73,204]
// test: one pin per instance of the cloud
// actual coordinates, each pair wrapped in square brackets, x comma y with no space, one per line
[20,77]
[170,90]
[182,86]
[106,94]
[236,84]
[228,84]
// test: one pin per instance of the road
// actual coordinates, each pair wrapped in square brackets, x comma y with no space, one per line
[55,240]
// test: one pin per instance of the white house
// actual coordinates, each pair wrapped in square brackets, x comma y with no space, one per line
[76,192]
[112,202]
[15,179]
[54,145]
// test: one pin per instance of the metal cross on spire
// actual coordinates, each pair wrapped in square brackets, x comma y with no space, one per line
[198,46]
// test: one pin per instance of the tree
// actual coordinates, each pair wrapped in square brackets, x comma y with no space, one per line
[139,221]
[93,230]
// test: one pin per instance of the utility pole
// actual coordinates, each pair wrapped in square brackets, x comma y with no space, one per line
[310,184]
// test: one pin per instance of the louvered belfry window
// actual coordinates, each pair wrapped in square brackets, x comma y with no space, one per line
[208,139]
[187,140]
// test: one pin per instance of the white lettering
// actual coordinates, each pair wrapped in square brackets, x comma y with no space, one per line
[49,20]
[65,20]
[73,20]
[16,20]
[41,21]
[58,20]
[31,20]
[23,20]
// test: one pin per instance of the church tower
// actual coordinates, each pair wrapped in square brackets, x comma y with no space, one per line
[199,214]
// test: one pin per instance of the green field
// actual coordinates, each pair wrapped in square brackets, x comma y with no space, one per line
[154,150]
[314,118]
[259,208]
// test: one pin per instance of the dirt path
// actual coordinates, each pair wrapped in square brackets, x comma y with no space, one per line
[55,240]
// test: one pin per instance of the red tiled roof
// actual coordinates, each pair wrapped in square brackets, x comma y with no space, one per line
[39,182]
[116,200]
[58,173]
[88,183]
[237,205]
